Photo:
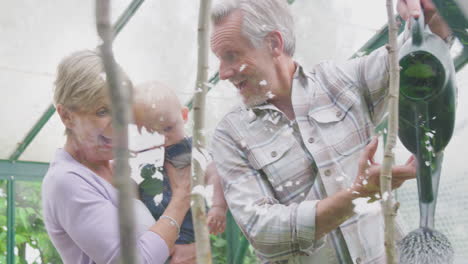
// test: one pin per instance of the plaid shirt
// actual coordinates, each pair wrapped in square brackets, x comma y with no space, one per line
[269,164]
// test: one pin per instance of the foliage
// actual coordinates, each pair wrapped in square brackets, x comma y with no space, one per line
[29,227]
[151,185]
[219,247]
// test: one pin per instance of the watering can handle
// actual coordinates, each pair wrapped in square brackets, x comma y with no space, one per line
[417,28]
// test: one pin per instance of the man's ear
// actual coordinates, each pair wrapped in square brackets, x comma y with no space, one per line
[185,112]
[65,115]
[275,43]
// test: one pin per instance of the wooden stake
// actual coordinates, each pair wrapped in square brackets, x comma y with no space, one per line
[389,210]
[202,237]
[120,94]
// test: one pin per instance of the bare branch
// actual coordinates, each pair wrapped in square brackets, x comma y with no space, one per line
[198,174]
[120,95]
[389,209]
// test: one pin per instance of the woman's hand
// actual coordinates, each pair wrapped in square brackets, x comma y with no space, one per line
[367,182]
[179,179]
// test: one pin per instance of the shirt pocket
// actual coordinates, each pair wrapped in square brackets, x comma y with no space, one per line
[339,123]
[285,166]
[268,152]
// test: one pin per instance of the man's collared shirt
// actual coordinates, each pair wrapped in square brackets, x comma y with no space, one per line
[269,164]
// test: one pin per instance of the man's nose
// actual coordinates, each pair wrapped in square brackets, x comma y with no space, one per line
[226,71]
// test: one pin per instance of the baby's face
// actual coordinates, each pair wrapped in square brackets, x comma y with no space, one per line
[169,124]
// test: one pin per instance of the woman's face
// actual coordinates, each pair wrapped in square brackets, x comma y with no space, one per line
[91,132]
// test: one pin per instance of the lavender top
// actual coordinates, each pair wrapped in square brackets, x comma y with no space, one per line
[80,214]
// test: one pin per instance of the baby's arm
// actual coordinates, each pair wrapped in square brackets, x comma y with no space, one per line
[217,213]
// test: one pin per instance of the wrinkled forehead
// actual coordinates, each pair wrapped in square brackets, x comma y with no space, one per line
[229,25]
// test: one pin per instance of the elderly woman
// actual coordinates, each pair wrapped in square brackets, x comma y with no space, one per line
[79,199]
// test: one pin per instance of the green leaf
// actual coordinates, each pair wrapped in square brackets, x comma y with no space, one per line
[152,186]
[219,243]
[23,217]
[148,171]
[20,239]
[30,211]
[3,220]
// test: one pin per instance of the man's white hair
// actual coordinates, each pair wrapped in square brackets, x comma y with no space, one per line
[260,17]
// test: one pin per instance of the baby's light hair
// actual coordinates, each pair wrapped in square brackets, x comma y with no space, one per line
[154,99]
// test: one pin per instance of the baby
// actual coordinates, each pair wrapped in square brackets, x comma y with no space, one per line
[157,109]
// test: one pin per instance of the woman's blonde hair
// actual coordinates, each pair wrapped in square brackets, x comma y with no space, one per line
[81,81]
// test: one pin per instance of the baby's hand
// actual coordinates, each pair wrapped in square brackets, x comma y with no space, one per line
[217,219]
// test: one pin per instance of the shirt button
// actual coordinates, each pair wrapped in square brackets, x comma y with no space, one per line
[358,260]
[274,154]
[251,115]
[339,114]
[327,172]
[311,140]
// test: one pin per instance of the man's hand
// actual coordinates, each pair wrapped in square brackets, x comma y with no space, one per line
[412,8]
[216,219]
[184,254]
[367,183]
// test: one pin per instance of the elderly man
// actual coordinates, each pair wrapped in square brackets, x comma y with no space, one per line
[298,155]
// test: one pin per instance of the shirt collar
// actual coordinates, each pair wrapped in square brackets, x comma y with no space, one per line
[301,75]
[300,97]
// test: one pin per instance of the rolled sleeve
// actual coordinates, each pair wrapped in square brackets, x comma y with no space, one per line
[275,230]
[305,231]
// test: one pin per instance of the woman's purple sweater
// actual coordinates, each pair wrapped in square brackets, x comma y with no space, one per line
[80,214]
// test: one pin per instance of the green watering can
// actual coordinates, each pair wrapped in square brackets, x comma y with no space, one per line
[427,90]
[426,122]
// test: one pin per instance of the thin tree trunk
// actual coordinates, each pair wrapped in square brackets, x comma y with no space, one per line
[389,208]
[198,153]
[120,95]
